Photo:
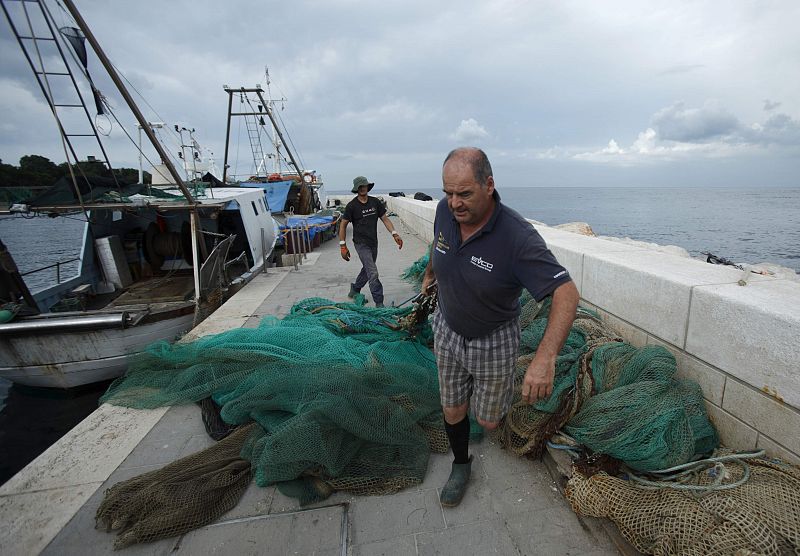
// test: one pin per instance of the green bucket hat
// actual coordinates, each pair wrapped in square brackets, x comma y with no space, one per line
[359,181]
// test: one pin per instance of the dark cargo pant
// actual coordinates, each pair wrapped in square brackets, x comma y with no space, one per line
[369,271]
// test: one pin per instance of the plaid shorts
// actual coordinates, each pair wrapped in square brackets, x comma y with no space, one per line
[478,370]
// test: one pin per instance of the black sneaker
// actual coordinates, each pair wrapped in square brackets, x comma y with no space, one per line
[353,292]
[379,305]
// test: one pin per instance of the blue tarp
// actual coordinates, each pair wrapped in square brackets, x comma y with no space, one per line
[316,224]
[276,192]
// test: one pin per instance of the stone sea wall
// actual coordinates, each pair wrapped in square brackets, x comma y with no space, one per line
[739,342]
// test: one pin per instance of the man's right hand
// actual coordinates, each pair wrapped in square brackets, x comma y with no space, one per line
[427,280]
[345,252]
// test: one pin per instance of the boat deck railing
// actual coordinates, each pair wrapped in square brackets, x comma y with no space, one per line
[57,266]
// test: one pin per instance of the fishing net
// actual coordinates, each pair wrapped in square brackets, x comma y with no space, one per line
[416,271]
[761,516]
[346,397]
[342,394]
[611,397]
[186,494]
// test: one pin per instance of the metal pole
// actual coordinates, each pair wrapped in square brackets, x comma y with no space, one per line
[58,273]
[128,99]
[227,138]
[141,170]
[299,244]
[153,125]
[264,251]
[294,247]
[195,260]
[306,241]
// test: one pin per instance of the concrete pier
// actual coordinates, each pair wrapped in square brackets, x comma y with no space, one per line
[513,505]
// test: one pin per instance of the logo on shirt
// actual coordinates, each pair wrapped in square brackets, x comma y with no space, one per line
[368,211]
[480,263]
[560,274]
[441,245]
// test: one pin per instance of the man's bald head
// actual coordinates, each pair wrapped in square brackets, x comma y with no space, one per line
[475,159]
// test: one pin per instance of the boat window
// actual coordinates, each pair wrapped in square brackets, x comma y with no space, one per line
[255,209]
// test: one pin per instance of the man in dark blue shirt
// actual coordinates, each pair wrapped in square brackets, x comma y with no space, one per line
[483,255]
[364,212]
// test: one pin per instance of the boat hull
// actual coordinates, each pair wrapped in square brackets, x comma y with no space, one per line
[66,359]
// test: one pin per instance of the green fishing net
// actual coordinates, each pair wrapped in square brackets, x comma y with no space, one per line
[610,396]
[416,271]
[346,399]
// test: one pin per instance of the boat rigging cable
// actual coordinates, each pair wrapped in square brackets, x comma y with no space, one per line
[283,124]
[69,20]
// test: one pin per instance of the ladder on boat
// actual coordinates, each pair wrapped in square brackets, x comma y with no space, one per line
[35,29]
[254,134]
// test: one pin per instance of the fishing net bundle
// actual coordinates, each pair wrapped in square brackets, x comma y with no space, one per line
[624,406]
[760,516]
[186,494]
[611,397]
[338,397]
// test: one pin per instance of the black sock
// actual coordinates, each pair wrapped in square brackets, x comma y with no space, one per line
[458,435]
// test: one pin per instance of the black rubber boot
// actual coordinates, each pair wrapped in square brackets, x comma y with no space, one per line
[456,485]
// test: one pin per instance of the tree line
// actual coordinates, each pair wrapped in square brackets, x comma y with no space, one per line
[37,172]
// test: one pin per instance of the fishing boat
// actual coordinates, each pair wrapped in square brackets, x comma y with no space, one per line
[155,259]
[294,193]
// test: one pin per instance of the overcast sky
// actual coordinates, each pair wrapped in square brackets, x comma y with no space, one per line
[561,93]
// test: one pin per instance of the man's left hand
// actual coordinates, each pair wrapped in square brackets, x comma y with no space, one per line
[538,382]
[398,240]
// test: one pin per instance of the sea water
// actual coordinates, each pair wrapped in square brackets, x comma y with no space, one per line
[754,225]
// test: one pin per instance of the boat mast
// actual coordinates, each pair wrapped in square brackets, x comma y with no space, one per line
[268,109]
[276,143]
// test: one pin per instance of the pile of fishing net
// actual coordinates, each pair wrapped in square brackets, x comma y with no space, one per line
[340,392]
[636,433]
[610,396]
[737,505]
[337,396]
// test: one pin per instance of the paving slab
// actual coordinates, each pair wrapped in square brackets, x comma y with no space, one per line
[316,532]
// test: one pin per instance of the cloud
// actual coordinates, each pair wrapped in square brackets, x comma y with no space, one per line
[676,70]
[679,133]
[679,123]
[552,153]
[469,130]
[399,77]
[393,111]
[778,129]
